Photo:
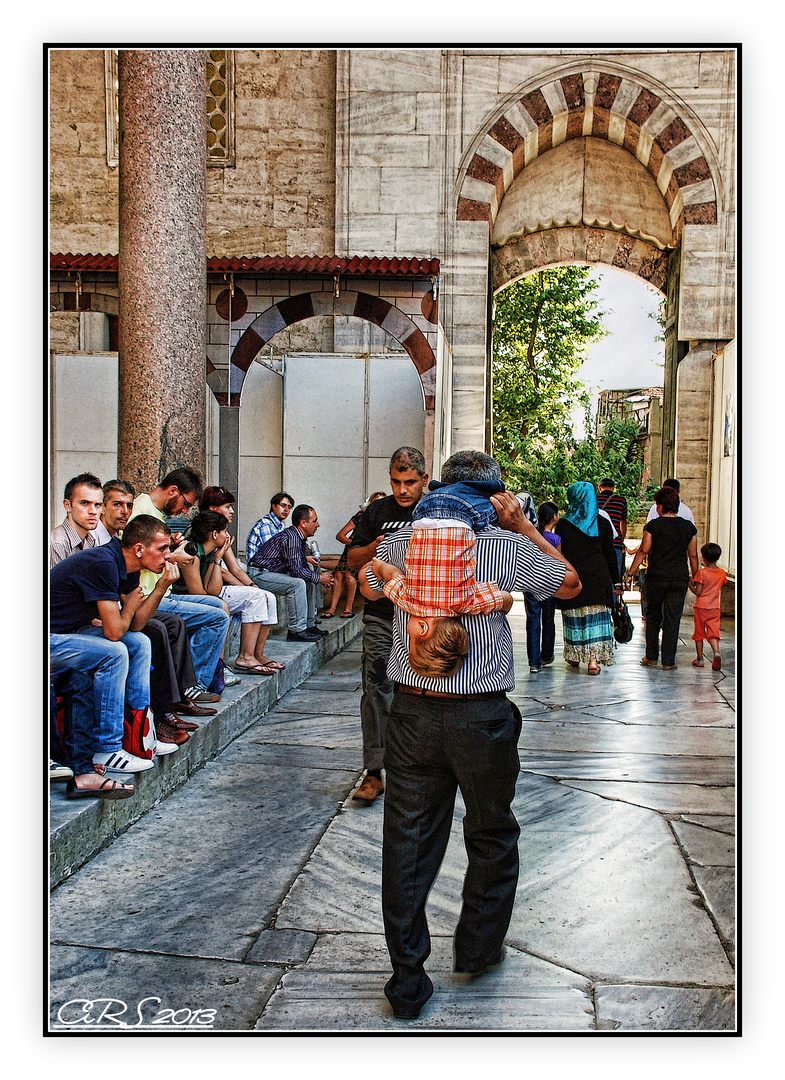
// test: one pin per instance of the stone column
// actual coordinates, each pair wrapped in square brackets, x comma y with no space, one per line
[162,266]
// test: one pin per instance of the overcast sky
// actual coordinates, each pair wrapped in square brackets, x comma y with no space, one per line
[629,356]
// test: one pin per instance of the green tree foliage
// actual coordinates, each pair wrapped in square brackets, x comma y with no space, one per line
[544,323]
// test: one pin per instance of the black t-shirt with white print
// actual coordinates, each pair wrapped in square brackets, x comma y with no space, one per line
[384,516]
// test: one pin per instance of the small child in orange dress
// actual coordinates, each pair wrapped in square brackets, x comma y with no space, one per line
[707,585]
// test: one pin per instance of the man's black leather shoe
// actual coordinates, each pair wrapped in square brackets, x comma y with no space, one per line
[486,969]
[307,635]
[317,631]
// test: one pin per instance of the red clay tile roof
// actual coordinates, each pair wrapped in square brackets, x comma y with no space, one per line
[275,264]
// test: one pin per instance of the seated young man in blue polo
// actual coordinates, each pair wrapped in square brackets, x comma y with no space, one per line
[96,611]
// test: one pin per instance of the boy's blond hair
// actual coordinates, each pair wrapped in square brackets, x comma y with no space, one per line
[443,653]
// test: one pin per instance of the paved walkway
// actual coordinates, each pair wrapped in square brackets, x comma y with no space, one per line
[250,899]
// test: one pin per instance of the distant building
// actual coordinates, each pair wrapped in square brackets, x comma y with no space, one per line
[643,405]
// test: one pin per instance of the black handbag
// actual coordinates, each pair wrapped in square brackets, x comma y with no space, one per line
[622,623]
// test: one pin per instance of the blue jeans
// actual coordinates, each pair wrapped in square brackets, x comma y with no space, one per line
[297,593]
[434,747]
[121,673]
[540,629]
[207,625]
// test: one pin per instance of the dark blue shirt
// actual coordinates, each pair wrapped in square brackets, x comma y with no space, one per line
[77,584]
[285,553]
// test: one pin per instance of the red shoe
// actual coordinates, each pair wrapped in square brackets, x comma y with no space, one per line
[716,663]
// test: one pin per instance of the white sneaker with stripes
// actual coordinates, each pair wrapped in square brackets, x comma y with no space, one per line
[120,761]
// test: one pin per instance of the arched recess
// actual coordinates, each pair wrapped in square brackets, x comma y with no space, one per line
[302,306]
[605,103]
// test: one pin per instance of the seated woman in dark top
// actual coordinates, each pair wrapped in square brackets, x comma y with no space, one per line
[587,543]
[669,541]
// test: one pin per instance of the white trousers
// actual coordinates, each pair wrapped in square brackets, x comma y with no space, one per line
[252,605]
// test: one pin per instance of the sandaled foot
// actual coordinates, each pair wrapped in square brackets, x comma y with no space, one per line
[574,663]
[648,663]
[697,663]
[347,614]
[594,669]
[107,789]
[327,615]
[252,669]
[271,664]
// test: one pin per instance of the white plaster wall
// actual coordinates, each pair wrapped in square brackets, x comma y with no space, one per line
[83,421]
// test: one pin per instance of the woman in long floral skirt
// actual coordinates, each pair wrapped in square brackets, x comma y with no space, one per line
[587,543]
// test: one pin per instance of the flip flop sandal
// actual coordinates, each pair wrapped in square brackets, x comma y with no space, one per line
[253,671]
[274,665]
[347,615]
[116,791]
[697,663]
[326,615]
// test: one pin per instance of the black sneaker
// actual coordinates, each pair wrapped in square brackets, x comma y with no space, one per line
[317,631]
[307,635]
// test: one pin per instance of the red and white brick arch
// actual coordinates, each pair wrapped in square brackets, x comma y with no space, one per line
[352,302]
[609,104]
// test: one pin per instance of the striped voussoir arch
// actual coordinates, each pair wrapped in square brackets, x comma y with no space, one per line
[602,105]
[294,309]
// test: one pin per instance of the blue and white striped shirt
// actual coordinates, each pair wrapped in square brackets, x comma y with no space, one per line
[517,565]
[263,530]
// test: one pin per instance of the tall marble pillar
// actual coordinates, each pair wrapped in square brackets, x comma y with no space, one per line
[162,265]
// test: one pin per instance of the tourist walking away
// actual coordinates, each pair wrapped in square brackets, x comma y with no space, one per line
[669,541]
[707,586]
[541,614]
[587,543]
[458,732]
[615,506]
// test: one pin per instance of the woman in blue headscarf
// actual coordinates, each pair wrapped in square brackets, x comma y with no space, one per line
[587,543]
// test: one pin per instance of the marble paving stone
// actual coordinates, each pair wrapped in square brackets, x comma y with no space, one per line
[318,729]
[664,1008]
[254,749]
[666,798]
[666,713]
[717,886]
[201,830]
[560,734]
[595,879]
[654,768]
[184,984]
[705,847]
[319,701]
[719,822]
[525,994]
[281,947]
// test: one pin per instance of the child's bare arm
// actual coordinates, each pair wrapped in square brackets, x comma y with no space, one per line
[507,601]
[696,587]
[385,571]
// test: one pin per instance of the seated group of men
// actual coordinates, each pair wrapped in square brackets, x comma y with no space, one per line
[131,663]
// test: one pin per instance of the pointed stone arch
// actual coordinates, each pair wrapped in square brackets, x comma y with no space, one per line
[293,309]
[605,102]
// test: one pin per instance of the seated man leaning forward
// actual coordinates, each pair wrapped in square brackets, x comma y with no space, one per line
[440,581]
[458,731]
[96,611]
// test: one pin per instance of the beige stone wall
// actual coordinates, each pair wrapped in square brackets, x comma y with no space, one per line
[83,191]
[279,199]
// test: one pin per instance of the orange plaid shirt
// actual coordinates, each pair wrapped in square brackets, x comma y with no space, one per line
[441,576]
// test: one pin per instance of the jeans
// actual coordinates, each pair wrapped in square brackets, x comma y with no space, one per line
[664,607]
[433,748]
[540,629]
[297,593]
[207,625]
[78,721]
[378,691]
[121,673]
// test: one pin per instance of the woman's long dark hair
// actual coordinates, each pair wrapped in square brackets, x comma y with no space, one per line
[546,512]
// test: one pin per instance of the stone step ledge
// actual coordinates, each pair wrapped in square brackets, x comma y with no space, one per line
[79,830]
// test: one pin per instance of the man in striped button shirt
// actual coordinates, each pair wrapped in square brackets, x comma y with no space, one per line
[82,499]
[459,731]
